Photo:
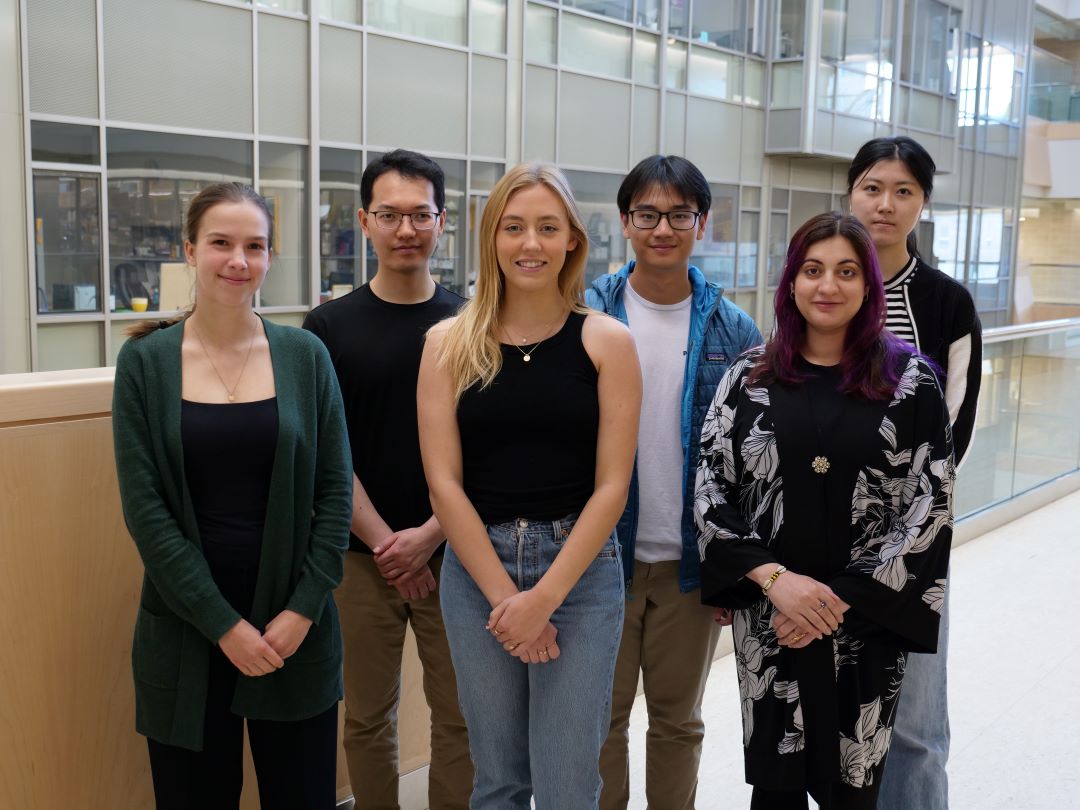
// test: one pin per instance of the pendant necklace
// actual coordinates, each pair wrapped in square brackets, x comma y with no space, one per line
[820,464]
[231,393]
[526,356]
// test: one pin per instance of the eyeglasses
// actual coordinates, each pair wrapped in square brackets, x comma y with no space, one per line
[647,219]
[420,220]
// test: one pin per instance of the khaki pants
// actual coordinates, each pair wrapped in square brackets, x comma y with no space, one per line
[373,620]
[670,637]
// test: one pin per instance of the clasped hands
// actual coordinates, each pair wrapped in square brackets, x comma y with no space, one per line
[805,610]
[402,560]
[521,623]
[255,653]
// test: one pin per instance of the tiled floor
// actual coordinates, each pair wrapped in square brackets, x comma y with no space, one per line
[1014,669]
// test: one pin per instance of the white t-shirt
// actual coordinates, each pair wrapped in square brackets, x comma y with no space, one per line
[661,332]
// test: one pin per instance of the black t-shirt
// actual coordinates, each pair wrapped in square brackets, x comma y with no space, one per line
[375,347]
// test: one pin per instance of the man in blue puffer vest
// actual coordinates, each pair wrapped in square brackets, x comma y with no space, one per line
[687,335]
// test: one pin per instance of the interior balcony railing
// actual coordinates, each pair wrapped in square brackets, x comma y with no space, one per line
[1028,426]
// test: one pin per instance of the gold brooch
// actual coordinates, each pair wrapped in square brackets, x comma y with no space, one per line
[820,465]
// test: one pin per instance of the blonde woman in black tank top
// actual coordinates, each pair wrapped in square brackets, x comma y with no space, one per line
[528,407]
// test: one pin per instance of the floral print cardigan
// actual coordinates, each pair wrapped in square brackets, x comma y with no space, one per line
[895,578]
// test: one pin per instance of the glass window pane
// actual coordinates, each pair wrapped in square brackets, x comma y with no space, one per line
[151,178]
[64,143]
[443,21]
[714,255]
[713,73]
[807,204]
[485,175]
[299,6]
[721,22]
[340,236]
[787,84]
[778,240]
[924,111]
[67,242]
[69,345]
[346,11]
[751,197]
[753,82]
[856,93]
[489,25]
[595,195]
[540,34]
[749,234]
[676,65]
[790,29]
[594,46]
[616,9]
[925,43]
[678,17]
[282,176]
[646,61]
[648,14]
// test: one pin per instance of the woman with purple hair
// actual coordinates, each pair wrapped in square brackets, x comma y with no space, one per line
[824,516]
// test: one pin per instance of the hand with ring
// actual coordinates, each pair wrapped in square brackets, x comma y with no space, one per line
[810,605]
[543,650]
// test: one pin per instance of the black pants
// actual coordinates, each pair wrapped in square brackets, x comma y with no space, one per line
[295,762]
[837,796]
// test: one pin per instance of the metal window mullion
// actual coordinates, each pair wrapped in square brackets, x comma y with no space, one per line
[28,183]
[105,299]
[362,243]
[661,67]
[255,112]
[558,79]
[314,155]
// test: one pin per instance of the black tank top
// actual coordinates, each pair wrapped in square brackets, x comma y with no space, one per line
[528,441]
[228,462]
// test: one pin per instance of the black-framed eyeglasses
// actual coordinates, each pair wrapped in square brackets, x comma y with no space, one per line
[647,219]
[420,220]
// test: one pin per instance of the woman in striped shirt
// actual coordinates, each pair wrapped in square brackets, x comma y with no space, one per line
[889,183]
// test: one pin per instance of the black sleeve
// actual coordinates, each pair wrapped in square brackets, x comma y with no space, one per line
[965,362]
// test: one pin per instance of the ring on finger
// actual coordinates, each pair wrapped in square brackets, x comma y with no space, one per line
[821,606]
[795,637]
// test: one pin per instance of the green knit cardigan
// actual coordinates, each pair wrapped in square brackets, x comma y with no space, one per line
[182,614]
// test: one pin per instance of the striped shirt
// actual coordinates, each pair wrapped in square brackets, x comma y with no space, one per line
[899,319]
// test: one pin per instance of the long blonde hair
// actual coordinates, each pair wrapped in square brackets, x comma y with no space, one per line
[470,349]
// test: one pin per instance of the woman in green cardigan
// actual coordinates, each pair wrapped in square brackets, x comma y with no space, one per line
[236,482]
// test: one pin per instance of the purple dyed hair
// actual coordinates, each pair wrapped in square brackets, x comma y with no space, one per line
[870,366]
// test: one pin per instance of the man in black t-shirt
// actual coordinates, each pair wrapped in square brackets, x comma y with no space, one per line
[375,336]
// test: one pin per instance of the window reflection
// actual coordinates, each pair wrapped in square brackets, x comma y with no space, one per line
[151,178]
[616,9]
[715,254]
[595,194]
[443,21]
[282,175]
[67,242]
[339,229]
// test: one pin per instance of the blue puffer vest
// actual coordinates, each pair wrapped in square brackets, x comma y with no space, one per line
[719,332]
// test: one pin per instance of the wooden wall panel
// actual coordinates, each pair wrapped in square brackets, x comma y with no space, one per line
[69,587]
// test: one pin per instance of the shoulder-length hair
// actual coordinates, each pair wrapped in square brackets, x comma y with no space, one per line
[470,349]
[870,365]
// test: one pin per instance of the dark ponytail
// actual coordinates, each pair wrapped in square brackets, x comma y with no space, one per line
[202,202]
[909,152]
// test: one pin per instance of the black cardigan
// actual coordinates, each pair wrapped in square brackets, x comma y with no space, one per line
[947,330]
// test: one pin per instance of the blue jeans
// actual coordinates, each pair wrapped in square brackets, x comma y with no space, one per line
[536,729]
[915,774]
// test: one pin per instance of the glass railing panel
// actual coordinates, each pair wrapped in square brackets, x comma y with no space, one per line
[1027,431]
[986,476]
[1048,431]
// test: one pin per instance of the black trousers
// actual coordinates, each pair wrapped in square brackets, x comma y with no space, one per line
[295,762]
[837,796]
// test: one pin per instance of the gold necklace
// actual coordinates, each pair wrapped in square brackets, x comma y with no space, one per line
[526,356]
[231,393]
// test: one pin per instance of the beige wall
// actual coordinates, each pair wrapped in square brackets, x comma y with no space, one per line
[69,586]
[14,314]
